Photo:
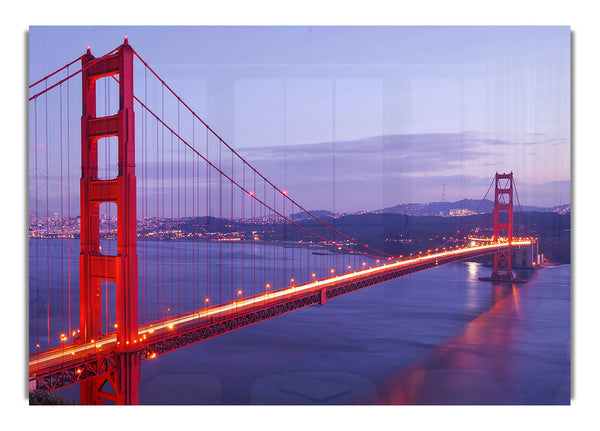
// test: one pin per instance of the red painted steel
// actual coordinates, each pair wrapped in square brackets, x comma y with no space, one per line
[503,203]
[94,266]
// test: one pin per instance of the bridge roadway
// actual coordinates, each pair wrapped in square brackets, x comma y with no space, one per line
[74,362]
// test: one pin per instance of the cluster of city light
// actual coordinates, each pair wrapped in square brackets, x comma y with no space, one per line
[169,324]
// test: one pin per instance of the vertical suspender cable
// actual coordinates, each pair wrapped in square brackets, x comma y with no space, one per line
[36,231]
[158,239]
[208,236]
[266,222]
[171,243]
[194,219]
[145,202]
[201,295]
[198,218]
[47,222]
[178,238]
[231,229]
[243,224]
[69,204]
[164,225]
[281,265]
[62,254]
[253,249]
[300,271]
[220,229]
[186,227]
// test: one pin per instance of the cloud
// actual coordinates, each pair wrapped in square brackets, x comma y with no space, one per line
[410,153]
[398,144]
[389,169]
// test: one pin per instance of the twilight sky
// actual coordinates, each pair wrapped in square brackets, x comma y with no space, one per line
[361,118]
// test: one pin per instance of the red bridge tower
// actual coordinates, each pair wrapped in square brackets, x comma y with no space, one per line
[95,267]
[503,222]
[503,208]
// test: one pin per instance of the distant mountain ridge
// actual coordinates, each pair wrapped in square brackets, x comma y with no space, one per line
[445,209]
[462,208]
[316,213]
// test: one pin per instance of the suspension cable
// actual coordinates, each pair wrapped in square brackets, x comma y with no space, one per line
[250,166]
[223,174]
[56,71]
[472,215]
[91,63]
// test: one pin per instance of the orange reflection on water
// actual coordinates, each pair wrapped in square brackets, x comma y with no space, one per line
[470,369]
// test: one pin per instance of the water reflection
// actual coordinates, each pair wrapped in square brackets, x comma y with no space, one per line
[472,285]
[472,270]
[473,368]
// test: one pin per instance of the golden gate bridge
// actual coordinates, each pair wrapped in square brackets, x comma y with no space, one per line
[164,209]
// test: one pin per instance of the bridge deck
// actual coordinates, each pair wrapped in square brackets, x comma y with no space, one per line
[75,362]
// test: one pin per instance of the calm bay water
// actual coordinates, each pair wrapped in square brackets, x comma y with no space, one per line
[436,337]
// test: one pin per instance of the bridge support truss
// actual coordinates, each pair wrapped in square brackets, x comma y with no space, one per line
[95,267]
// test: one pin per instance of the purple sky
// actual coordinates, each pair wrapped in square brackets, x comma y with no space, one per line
[361,118]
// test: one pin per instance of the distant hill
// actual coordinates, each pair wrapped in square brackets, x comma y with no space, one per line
[461,208]
[316,213]
[441,208]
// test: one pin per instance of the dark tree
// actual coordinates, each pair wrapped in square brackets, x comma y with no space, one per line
[39,397]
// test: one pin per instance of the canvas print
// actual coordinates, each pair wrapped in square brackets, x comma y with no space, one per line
[344,215]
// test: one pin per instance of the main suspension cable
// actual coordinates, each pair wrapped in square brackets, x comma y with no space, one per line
[222,141]
[253,195]
[462,229]
[91,63]
[56,71]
